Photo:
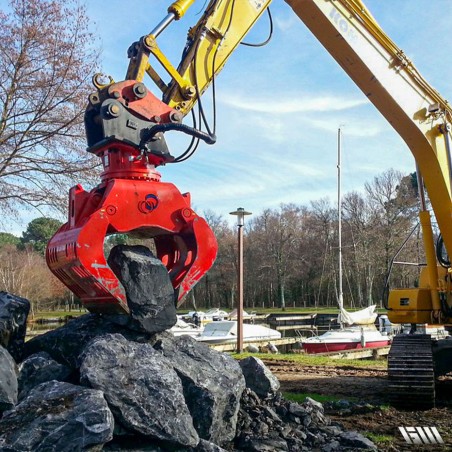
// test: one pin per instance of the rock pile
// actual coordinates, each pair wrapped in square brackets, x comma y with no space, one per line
[268,422]
[100,384]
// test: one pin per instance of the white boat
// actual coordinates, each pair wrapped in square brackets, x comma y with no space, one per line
[181,328]
[225,332]
[346,339]
[211,315]
[246,315]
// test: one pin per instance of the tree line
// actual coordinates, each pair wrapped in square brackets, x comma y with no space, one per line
[290,253]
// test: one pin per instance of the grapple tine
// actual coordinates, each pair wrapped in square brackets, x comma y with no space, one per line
[188,256]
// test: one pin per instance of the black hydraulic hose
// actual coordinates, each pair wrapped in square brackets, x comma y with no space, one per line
[445,308]
[270,34]
[444,261]
[151,133]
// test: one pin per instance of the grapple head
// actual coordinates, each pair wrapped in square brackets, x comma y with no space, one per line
[130,199]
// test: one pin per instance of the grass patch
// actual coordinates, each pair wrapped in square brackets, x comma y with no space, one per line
[379,439]
[312,360]
[299,397]
[58,314]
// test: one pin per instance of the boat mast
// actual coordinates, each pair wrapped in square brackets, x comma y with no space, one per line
[339,218]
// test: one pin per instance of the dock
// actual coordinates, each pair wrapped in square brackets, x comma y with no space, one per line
[232,346]
[289,322]
[360,353]
[287,342]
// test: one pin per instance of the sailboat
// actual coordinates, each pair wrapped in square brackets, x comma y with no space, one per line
[357,328]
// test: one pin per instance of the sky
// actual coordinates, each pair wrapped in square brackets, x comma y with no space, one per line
[279,106]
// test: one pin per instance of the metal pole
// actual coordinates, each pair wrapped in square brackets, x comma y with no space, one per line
[240,290]
[240,213]
[339,217]
[162,25]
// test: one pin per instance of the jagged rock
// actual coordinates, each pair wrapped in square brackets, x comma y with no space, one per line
[136,443]
[274,423]
[205,446]
[213,385]
[141,387]
[258,377]
[8,381]
[332,446]
[13,323]
[57,417]
[271,414]
[66,343]
[356,440]
[259,444]
[296,409]
[39,368]
[316,412]
[150,294]
[294,444]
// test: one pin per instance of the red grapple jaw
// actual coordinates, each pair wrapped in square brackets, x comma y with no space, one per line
[184,241]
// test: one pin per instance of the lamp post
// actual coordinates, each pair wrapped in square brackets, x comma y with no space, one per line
[240,213]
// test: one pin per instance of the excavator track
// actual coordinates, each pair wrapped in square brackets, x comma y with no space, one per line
[411,371]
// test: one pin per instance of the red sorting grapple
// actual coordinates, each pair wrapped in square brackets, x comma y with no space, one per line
[130,198]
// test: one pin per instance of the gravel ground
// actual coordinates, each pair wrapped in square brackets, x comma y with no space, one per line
[380,422]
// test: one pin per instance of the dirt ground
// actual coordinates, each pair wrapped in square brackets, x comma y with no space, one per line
[369,386]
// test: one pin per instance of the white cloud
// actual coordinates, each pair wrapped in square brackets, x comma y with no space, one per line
[300,104]
[285,23]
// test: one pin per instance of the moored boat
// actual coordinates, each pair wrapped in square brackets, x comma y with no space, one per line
[225,332]
[346,339]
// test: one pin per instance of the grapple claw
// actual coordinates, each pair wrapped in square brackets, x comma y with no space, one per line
[130,199]
[184,241]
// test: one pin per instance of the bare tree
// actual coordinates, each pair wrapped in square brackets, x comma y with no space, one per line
[47,56]
[278,234]
[24,273]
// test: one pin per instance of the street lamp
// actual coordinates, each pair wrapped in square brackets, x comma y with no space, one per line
[240,213]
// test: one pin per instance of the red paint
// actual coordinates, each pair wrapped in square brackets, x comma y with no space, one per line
[323,347]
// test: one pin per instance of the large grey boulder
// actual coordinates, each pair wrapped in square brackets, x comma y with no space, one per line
[39,368]
[65,344]
[258,377]
[57,417]
[8,381]
[13,323]
[213,385]
[150,294]
[141,387]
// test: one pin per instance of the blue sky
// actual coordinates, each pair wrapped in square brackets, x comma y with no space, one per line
[279,107]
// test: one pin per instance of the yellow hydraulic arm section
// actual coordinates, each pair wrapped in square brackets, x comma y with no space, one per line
[416,111]
[211,41]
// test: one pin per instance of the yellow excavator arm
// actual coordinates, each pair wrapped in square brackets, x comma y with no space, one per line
[378,67]
[210,43]
[416,111]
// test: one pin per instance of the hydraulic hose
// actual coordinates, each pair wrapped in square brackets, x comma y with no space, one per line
[151,133]
[443,260]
